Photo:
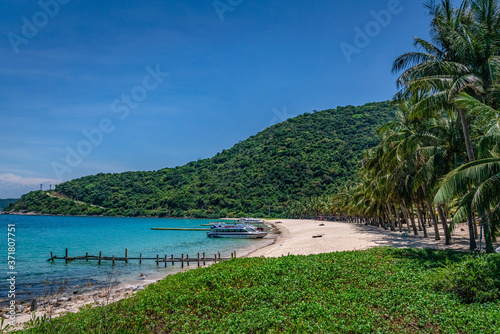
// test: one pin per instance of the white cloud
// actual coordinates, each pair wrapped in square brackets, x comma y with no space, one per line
[13,179]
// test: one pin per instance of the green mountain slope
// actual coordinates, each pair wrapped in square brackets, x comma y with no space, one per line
[305,156]
[4,202]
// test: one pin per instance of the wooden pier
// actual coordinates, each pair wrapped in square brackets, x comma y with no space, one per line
[183,259]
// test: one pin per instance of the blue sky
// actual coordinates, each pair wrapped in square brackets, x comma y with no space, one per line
[93,86]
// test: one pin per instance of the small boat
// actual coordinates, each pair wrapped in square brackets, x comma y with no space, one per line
[243,231]
[251,220]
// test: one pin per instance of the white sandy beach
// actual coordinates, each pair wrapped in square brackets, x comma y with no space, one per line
[296,237]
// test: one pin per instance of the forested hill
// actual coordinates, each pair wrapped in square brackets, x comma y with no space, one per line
[305,156]
[6,201]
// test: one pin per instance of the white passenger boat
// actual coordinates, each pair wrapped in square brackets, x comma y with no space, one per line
[222,230]
[251,220]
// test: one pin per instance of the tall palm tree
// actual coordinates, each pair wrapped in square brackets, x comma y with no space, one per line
[478,182]
[465,43]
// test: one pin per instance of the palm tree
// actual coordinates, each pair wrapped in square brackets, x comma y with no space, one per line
[478,182]
[464,46]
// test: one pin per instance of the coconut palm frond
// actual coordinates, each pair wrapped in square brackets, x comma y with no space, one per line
[467,102]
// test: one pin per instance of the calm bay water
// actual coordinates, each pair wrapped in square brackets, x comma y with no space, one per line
[37,236]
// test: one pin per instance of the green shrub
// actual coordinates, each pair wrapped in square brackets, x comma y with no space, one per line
[476,279]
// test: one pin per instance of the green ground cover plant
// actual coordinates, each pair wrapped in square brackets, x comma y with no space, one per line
[477,279]
[377,290]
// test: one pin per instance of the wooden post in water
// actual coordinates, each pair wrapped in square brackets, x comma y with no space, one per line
[182,261]
[99,258]
[66,257]
[235,254]
[215,258]
[198,260]
[165,261]
[187,258]
[140,258]
[126,257]
[219,254]
[203,258]
[157,258]
[87,256]
[172,258]
[113,260]
[51,256]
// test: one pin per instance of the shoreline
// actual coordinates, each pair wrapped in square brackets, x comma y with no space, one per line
[68,302]
[305,237]
[290,237]
[31,213]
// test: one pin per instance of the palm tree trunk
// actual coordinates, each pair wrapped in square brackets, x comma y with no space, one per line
[407,218]
[410,213]
[465,128]
[447,233]
[397,219]
[487,234]
[390,216]
[420,218]
[432,214]
[476,235]
[472,239]
[434,219]
[384,219]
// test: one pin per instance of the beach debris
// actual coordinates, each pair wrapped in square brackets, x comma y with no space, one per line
[142,276]
[34,304]
[318,235]
[89,284]
[322,224]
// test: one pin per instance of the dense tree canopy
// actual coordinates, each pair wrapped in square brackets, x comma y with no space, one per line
[305,156]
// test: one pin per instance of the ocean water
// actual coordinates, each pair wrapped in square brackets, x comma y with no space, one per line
[37,236]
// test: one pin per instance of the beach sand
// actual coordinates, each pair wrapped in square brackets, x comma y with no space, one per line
[296,237]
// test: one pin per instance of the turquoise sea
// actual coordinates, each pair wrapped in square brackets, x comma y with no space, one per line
[37,236]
